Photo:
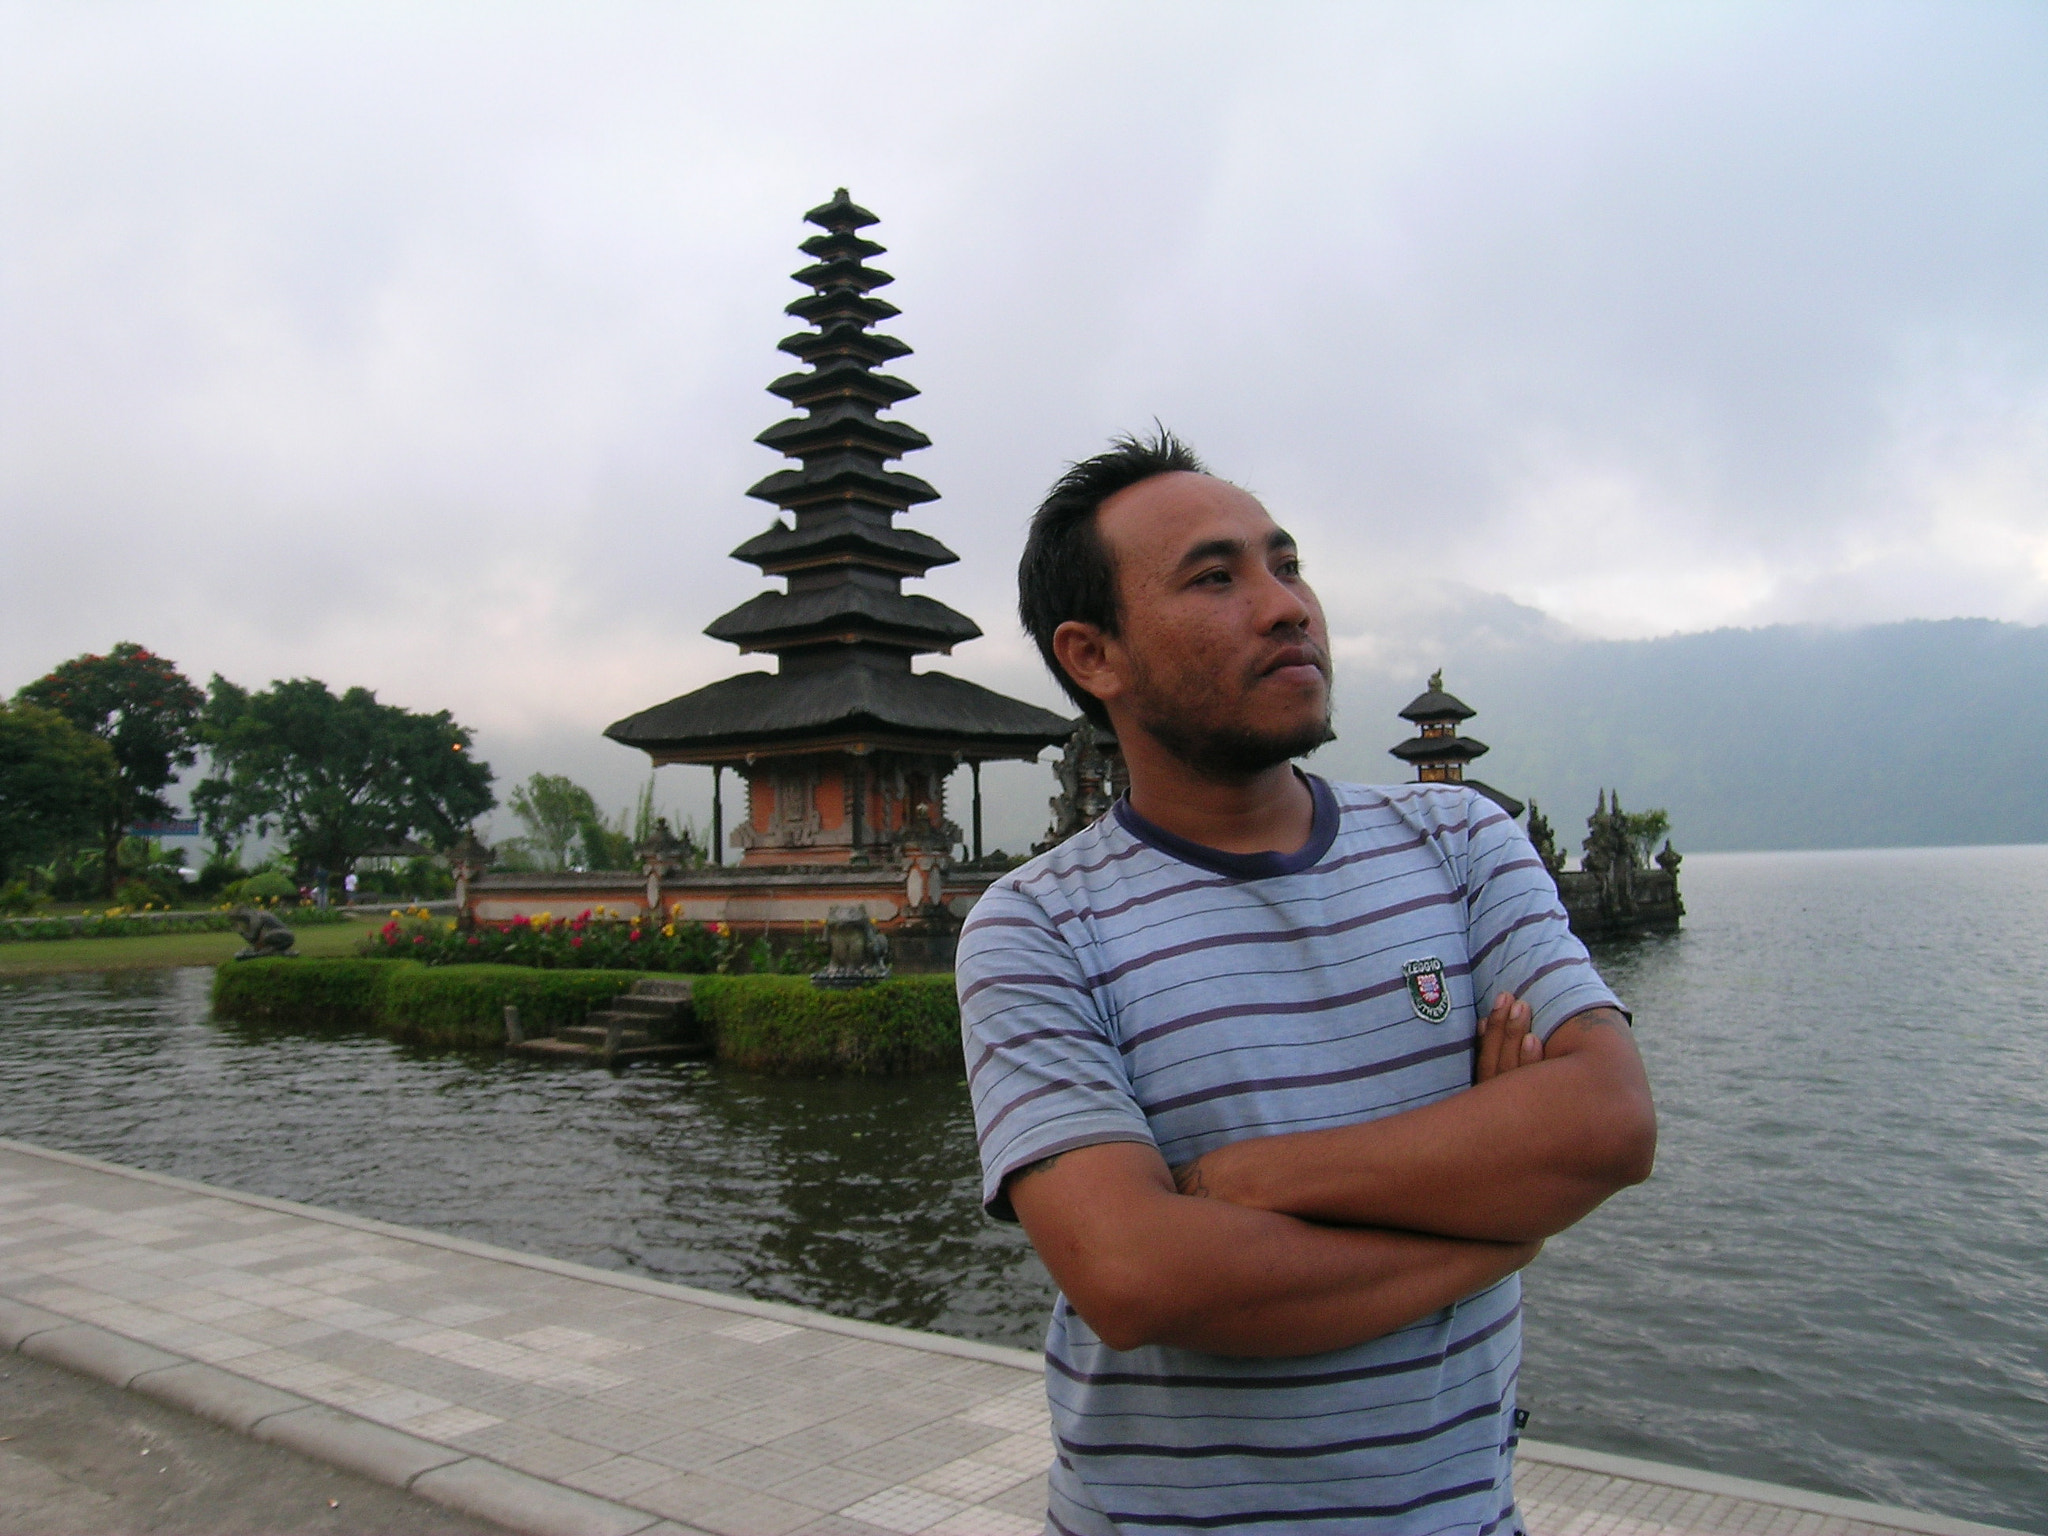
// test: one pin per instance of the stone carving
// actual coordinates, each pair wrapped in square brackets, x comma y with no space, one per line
[859,953]
[263,932]
[1091,776]
[663,853]
[469,858]
[1614,893]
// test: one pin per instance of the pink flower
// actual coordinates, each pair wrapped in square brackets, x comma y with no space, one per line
[575,943]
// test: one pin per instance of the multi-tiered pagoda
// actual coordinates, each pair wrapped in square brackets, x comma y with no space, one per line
[1438,752]
[844,748]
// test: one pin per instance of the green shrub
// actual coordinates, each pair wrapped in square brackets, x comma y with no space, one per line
[783,1024]
[409,1001]
[327,993]
[465,1005]
[270,885]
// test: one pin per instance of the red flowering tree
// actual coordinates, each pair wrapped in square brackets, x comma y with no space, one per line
[147,711]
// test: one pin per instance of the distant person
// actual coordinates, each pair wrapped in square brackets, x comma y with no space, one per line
[1285,1079]
[348,888]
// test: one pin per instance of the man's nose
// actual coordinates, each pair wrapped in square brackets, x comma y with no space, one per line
[1283,605]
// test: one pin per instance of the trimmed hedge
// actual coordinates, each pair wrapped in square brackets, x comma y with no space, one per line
[777,1024]
[457,1006]
[783,1024]
[334,993]
[120,924]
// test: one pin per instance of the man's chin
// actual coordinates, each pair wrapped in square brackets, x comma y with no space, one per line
[1239,754]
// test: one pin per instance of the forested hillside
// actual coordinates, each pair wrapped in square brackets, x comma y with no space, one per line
[1787,737]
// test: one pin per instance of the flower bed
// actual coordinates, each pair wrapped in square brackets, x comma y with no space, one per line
[597,939]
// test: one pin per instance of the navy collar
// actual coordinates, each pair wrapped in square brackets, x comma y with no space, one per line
[1243,866]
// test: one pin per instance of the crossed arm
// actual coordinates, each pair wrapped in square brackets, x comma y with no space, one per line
[1296,1244]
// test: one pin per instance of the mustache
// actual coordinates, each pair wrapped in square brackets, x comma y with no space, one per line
[1295,653]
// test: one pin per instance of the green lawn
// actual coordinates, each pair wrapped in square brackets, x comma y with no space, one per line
[42,956]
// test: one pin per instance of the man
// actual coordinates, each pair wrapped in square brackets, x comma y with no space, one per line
[1286,1080]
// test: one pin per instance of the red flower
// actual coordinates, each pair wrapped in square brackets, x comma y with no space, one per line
[474,941]
[575,943]
[419,938]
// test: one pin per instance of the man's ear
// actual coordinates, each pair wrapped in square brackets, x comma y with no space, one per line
[1094,659]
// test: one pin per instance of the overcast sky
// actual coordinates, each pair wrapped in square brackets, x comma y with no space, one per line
[423,346]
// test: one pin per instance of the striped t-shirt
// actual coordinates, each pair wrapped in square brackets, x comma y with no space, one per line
[1131,986]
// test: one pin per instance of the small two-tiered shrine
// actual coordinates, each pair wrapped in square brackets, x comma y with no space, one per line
[1439,750]
[844,749]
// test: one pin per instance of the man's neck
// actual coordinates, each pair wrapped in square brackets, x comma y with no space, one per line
[1271,811]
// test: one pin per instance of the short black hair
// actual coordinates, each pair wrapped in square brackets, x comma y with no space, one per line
[1066,572]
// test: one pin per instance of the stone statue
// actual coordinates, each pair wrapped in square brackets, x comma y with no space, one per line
[859,953]
[263,932]
[1091,776]
[1670,859]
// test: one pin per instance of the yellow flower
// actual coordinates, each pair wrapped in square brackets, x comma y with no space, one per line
[668,930]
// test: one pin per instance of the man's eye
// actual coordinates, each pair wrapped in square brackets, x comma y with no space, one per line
[1216,578]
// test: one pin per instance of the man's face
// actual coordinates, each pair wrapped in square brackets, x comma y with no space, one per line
[1225,657]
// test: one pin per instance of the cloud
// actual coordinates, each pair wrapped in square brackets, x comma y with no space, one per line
[423,347]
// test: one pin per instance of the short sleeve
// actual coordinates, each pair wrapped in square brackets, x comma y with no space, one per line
[1521,940]
[1044,1074]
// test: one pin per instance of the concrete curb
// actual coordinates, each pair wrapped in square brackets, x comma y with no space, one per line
[781,1312]
[1638,1471]
[455,1479]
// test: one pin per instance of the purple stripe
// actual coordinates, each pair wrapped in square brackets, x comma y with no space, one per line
[1010,1042]
[1297,1516]
[976,924]
[1024,978]
[1281,936]
[1551,915]
[1287,1452]
[1312,1079]
[1430,1361]
[1057,1086]
[1555,965]
[1221,882]
[1273,1010]
[1050,873]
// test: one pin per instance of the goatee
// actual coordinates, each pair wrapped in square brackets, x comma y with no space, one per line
[1230,754]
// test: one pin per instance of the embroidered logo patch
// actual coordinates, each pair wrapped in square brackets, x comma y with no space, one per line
[1426,990]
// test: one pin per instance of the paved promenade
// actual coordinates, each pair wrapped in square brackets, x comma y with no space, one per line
[550,1397]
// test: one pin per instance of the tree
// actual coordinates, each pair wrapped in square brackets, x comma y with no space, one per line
[147,711]
[554,808]
[1644,829]
[564,827]
[56,783]
[335,776]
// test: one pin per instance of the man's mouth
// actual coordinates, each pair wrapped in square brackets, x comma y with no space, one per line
[1296,664]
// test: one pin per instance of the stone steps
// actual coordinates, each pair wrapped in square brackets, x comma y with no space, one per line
[653,1019]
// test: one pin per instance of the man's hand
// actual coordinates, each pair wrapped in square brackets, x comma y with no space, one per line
[1505,1041]
[1143,1264]
[1547,1132]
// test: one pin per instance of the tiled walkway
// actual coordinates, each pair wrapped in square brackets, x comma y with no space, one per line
[667,1409]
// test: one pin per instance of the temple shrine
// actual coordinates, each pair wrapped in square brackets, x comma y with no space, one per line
[1615,892]
[1437,752]
[844,749]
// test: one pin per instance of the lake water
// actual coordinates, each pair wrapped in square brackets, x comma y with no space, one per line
[1837,1279]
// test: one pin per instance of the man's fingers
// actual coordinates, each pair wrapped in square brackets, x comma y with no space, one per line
[1492,1039]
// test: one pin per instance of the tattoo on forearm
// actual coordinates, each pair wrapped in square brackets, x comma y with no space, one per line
[1038,1167]
[1187,1178]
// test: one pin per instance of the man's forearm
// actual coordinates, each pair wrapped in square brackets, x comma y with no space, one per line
[1143,1264]
[1518,1158]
